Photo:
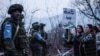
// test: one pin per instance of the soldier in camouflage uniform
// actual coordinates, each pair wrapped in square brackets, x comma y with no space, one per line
[44,35]
[13,34]
[35,40]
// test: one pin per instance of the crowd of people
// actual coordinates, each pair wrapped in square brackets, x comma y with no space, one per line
[86,40]
[14,41]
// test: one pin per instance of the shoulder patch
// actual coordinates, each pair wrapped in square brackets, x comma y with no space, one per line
[7,32]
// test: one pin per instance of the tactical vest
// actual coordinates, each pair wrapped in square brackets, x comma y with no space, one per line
[20,41]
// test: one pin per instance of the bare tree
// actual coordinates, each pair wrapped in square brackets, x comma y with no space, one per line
[56,31]
[90,8]
[3,13]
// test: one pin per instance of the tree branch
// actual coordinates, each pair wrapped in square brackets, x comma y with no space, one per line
[89,5]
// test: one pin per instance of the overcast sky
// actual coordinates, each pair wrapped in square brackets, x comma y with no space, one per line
[54,7]
[42,5]
[51,5]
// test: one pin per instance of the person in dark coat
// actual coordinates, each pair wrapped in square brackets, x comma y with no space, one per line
[67,38]
[78,48]
[89,41]
[97,35]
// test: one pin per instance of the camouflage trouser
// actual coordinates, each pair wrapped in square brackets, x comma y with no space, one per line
[10,49]
[44,50]
[36,49]
[9,44]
